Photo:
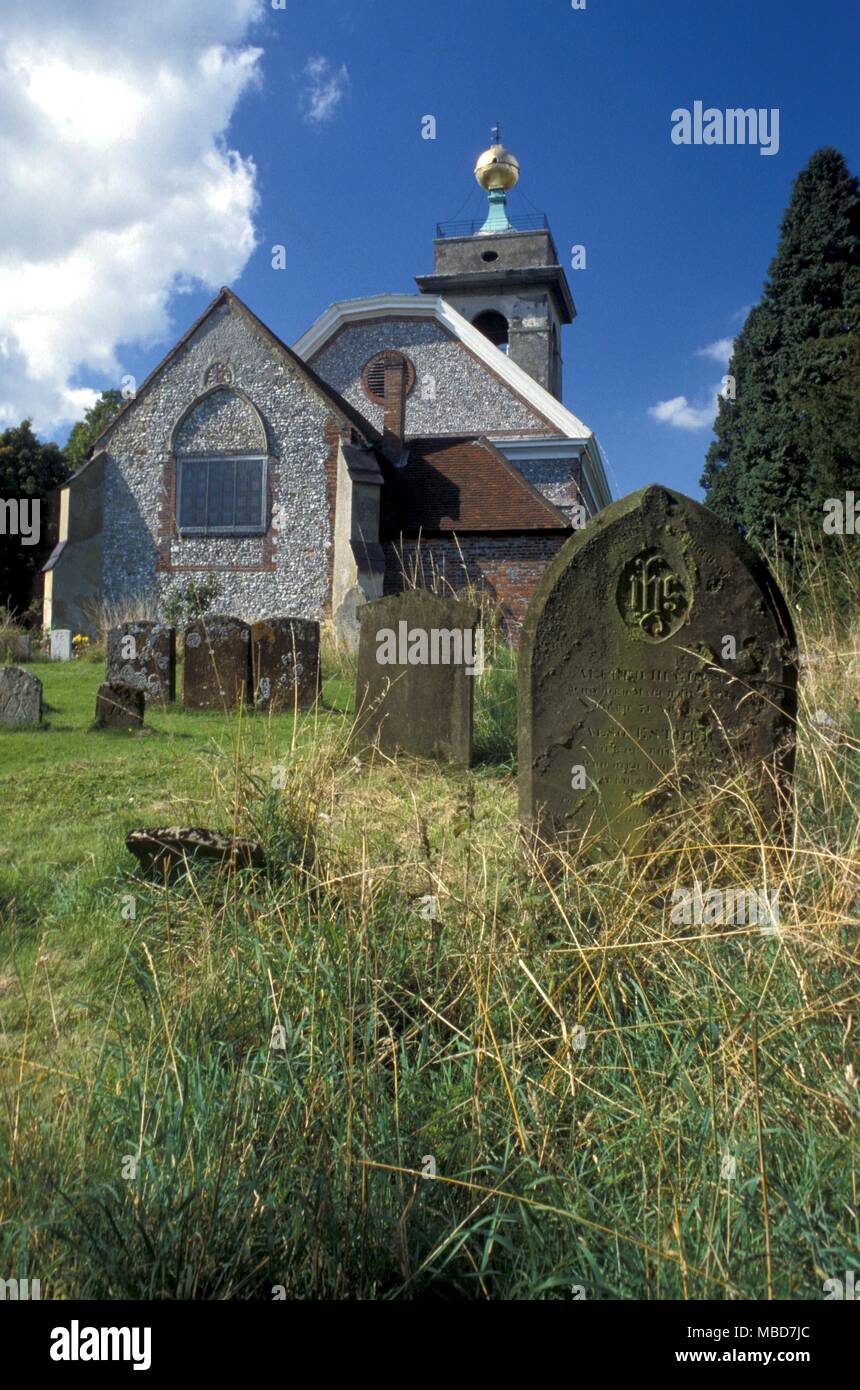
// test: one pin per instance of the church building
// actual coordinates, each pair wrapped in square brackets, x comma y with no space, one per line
[404,439]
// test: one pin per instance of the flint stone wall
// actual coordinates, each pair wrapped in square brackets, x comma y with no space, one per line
[284,571]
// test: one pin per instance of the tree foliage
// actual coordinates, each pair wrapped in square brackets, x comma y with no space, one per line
[86,431]
[791,438]
[29,471]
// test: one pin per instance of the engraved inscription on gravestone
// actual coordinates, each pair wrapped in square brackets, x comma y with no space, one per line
[631,719]
[652,599]
[61,644]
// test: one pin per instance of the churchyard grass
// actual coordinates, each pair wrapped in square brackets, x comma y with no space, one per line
[612,1106]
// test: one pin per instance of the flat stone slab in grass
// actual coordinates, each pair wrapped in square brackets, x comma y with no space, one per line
[414,693]
[166,851]
[217,672]
[20,697]
[119,706]
[285,661]
[657,661]
[144,654]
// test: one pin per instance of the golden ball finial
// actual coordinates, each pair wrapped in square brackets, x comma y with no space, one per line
[497,167]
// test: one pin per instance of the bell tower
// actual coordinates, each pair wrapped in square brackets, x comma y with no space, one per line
[504,276]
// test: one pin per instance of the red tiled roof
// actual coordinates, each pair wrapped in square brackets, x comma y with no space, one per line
[461,484]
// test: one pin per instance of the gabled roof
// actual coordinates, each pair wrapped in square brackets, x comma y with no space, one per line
[433,308]
[227,297]
[461,483]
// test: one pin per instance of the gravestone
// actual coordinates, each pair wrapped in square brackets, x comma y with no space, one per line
[143,654]
[347,626]
[285,663]
[20,696]
[119,706]
[16,646]
[657,659]
[61,644]
[217,673]
[414,691]
[166,852]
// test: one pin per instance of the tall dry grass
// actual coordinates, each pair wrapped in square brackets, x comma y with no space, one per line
[606,1102]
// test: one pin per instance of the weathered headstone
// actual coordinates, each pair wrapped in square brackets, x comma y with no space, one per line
[347,627]
[15,646]
[217,672]
[657,660]
[418,658]
[20,696]
[61,644]
[119,706]
[143,654]
[285,663]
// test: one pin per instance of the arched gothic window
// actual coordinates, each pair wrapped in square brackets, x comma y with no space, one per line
[221,467]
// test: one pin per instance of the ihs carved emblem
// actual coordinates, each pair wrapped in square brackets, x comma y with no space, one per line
[652,597]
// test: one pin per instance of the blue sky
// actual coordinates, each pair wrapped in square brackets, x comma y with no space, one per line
[678,239]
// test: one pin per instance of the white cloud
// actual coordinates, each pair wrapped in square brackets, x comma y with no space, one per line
[720,351]
[681,415]
[324,90]
[119,188]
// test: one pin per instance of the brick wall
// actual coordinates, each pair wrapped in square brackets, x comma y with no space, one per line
[506,569]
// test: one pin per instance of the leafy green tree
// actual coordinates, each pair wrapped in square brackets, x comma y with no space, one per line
[791,438]
[29,470]
[97,418]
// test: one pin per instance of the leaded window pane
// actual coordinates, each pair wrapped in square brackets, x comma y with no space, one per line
[222,494]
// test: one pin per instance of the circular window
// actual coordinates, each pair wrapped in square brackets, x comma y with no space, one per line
[373,376]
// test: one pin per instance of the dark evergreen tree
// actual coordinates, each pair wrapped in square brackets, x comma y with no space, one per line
[791,438]
[29,470]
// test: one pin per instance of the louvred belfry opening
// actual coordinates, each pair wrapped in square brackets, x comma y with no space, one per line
[373,376]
